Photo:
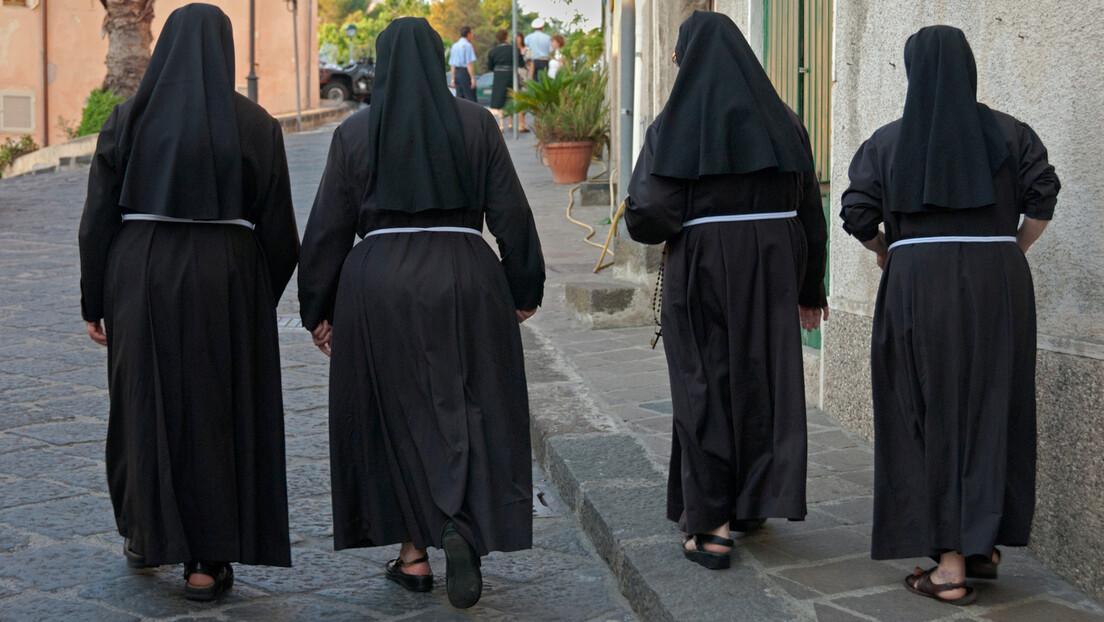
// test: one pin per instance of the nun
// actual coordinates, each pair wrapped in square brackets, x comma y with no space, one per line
[953,344]
[429,412]
[186,242]
[725,178]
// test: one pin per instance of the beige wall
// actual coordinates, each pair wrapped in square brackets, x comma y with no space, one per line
[76,54]
[1042,67]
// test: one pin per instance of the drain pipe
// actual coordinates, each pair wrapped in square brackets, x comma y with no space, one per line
[45,78]
[628,80]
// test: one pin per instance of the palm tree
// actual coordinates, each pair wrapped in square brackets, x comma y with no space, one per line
[127,24]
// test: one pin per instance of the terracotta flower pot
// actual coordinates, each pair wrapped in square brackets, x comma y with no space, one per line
[569,161]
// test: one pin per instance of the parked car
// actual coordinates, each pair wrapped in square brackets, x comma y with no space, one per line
[352,81]
[484,84]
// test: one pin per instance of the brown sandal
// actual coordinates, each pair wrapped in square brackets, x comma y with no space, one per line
[919,582]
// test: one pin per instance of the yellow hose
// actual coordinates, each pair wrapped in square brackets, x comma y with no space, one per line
[609,237]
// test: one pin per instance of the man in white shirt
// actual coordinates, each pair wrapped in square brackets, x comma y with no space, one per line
[462,60]
[541,46]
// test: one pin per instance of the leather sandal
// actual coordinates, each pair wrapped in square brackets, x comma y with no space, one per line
[919,582]
[134,559]
[709,559]
[982,566]
[463,579]
[412,582]
[221,572]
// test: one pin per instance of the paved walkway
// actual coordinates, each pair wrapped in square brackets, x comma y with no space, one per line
[60,557]
[604,424]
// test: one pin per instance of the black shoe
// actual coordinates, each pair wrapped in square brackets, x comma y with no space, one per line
[412,582]
[133,558]
[463,579]
[221,572]
[708,559]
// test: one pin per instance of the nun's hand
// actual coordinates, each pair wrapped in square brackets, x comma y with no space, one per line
[882,259]
[810,316]
[525,315]
[96,332]
[322,335]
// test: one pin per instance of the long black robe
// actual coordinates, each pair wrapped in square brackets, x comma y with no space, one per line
[195,443]
[732,336]
[429,412]
[953,357]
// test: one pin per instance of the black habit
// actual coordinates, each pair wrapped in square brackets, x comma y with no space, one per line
[953,345]
[429,413]
[195,443]
[731,290]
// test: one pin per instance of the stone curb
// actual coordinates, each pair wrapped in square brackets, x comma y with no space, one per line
[606,479]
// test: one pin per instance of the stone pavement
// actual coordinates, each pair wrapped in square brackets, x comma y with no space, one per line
[602,426]
[60,557]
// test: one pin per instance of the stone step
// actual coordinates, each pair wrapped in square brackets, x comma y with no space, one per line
[609,303]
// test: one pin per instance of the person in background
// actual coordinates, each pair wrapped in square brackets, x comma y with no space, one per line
[524,56]
[953,344]
[500,61]
[187,240]
[462,61]
[429,410]
[726,179]
[557,61]
[540,46]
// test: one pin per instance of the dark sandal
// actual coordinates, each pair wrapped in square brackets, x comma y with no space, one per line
[134,559]
[463,579]
[412,582]
[221,572]
[709,559]
[982,566]
[919,582]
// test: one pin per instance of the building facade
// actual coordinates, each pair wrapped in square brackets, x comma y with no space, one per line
[52,56]
[1040,66]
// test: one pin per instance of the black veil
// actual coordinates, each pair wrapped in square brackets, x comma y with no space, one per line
[179,145]
[950,145]
[418,159]
[723,115]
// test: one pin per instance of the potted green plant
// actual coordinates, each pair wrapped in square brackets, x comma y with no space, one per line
[571,119]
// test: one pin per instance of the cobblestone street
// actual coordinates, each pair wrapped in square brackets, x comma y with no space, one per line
[601,431]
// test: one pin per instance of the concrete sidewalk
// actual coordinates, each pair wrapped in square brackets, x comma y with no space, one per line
[602,430]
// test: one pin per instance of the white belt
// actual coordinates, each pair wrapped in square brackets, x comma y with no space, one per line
[954,238]
[739,218]
[158,218]
[424,229]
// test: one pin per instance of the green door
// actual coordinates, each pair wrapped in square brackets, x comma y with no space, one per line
[797,54]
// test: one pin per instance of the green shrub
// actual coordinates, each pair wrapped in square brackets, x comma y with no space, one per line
[570,107]
[15,147]
[97,108]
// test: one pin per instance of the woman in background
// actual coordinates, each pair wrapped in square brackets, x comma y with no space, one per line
[500,61]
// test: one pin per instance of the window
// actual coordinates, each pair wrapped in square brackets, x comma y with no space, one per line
[17,111]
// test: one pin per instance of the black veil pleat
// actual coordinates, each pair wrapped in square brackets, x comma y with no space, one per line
[950,145]
[418,158]
[180,145]
[723,116]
